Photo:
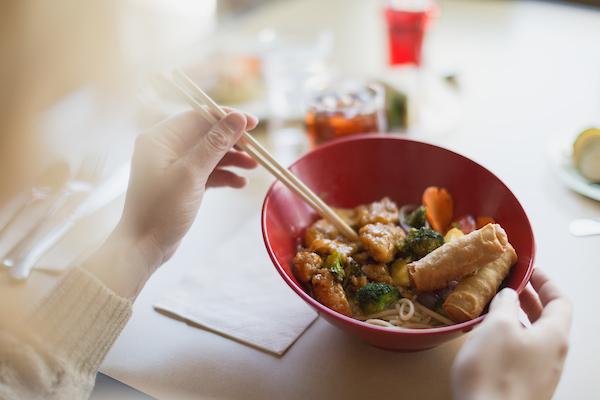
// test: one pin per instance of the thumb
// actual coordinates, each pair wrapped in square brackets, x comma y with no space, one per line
[505,306]
[218,140]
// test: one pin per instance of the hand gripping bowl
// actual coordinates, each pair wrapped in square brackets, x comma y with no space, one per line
[361,169]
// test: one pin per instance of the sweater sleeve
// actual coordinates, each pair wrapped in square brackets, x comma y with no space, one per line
[56,352]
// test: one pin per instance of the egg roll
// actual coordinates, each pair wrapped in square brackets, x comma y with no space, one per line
[458,258]
[473,293]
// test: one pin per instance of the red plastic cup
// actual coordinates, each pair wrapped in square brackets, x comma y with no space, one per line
[406,30]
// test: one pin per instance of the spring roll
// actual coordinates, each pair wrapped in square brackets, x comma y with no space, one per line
[458,258]
[473,293]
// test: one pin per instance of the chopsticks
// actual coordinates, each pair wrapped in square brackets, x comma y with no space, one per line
[210,110]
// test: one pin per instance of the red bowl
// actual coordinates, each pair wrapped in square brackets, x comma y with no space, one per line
[361,169]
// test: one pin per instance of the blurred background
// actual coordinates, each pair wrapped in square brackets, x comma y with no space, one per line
[514,85]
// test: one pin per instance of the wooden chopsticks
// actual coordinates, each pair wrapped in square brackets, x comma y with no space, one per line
[202,103]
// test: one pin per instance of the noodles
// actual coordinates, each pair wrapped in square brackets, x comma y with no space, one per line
[383,314]
[407,314]
[406,309]
[433,314]
[379,322]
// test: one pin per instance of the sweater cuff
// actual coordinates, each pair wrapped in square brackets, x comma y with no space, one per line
[80,320]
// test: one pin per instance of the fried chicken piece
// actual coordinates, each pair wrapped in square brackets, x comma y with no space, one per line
[384,211]
[361,257]
[381,240]
[330,293]
[324,238]
[307,264]
[321,229]
[358,281]
[348,215]
[377,273]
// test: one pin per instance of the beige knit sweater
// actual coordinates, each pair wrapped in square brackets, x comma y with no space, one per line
[56,352]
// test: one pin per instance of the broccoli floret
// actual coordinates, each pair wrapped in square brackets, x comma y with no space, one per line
[420,242]
[375,297]
[352,268]
[417,218]
[335,265]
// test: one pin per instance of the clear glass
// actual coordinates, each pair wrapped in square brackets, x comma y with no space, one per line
[345,108]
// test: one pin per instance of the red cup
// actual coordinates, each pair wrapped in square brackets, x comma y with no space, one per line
[406,30]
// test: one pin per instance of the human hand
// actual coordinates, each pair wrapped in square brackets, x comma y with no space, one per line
[503,359]
[173,164]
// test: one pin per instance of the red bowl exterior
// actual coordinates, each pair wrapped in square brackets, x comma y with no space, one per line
[364,168]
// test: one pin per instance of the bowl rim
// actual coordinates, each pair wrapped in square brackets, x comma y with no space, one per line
[463,326]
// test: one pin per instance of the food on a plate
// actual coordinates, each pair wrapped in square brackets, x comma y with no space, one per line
[408,269]
[586,154]
[472,294]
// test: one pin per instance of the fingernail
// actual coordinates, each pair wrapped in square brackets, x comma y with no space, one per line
[508,294]
[235,121]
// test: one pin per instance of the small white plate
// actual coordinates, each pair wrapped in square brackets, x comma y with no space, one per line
[560,155]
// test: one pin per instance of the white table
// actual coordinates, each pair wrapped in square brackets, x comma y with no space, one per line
[530,72]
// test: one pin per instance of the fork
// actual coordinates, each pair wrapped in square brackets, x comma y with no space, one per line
[47,186]
[73,194]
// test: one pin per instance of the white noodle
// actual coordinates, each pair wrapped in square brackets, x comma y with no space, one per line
[433,314]
[379,322]
[382,314]
[402,305]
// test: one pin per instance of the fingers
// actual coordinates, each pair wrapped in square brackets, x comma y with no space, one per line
[224,178]
[251,120]
[237,159]
[179,133]
[214,144]
[546,289]
[530,303]
[504,308]
[557,313]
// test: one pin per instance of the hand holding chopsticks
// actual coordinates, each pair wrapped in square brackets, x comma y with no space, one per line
[212,112]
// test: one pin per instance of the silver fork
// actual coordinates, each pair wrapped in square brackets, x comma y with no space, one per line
[47,186]
[22,256]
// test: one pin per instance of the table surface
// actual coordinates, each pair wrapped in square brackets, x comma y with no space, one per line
[529,72]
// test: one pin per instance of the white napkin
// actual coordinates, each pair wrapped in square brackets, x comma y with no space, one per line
[239,294]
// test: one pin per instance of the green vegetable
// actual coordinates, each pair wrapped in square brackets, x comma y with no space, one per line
[417,218]
[353,268]
[399,272]
[375,297]
[420,242]
[335,265]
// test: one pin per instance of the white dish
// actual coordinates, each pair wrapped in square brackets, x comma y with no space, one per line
[560,155]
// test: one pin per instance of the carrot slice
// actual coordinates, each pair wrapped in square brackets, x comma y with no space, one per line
[439,207]
[483,220]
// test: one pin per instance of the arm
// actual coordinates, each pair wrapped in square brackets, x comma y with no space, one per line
[56,351]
